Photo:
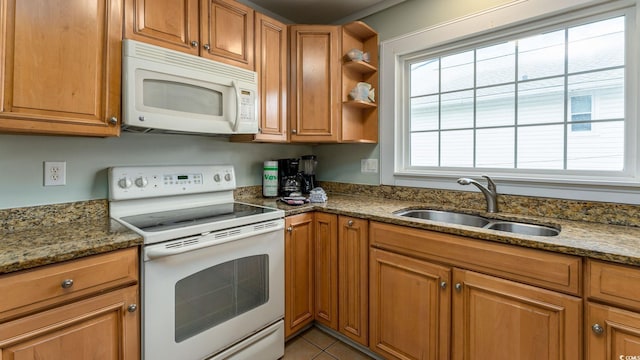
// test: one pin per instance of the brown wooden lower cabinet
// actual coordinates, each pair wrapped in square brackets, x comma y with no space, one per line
[495,318]
[76,310]
[612,333]
[326,266]
[427,295]
[353,286]
[326,269]
[299,270]
[100,328]
[409,307]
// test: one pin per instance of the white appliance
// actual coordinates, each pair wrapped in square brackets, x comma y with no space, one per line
[165,90]
[212,269]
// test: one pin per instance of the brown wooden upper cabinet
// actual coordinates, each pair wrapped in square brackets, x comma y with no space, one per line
[322,107]
[272,63]
[60,66]
[220,30]
[315,83]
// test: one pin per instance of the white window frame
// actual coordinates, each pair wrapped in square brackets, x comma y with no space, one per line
[499,22]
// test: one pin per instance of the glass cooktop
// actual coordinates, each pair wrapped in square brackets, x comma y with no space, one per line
[174,219]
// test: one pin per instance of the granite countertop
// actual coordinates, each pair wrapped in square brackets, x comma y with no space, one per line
[32,246]
[31,237]
[614,243]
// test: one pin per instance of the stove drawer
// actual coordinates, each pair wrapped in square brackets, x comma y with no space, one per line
[33,290]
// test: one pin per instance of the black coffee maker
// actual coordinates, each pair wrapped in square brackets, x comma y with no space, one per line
[288,177]
[307,173]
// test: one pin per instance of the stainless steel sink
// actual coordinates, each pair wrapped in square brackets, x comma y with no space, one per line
[452,217]
[524,229]
[446,217]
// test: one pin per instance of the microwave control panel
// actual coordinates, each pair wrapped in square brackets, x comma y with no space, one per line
[247,122]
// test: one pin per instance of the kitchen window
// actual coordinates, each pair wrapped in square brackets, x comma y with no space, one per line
[510,104]
[550,102]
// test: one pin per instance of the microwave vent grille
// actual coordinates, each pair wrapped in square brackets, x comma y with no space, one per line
[187,61]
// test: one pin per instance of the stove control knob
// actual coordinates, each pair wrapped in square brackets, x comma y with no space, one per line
[227,177]
[125,183]
[142,181]
[216,177]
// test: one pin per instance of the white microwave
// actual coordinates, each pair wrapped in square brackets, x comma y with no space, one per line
[168,91]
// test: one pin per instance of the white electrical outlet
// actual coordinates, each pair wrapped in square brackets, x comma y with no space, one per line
[55,173]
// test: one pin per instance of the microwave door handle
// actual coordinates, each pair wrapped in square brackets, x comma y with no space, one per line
[238,105]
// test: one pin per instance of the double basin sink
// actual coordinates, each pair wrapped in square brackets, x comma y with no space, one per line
[451,217]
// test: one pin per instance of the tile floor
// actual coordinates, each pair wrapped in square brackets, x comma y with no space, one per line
[317,345]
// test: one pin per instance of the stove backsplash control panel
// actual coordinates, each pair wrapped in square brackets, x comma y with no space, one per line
[135,182]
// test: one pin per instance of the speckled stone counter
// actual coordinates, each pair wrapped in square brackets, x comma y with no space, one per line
[35,236]
[615,243]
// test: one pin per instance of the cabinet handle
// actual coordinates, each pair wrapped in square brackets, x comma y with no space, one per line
[597,329]
[67,283]
[350,223]
[443,285]
[290,229]
[294,131]
[194,43]
[113,120]
[458,287]
[207,47]
[132,308]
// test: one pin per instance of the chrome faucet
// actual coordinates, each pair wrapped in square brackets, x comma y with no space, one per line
[490,192]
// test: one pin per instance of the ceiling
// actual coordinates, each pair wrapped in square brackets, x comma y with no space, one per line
[320,11]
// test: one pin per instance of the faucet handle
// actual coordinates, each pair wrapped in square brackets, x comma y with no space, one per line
[490,183]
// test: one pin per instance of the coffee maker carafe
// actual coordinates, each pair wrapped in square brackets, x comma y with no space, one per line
[308,173]
[288,177]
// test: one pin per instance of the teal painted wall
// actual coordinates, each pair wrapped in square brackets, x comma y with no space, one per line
[22,156]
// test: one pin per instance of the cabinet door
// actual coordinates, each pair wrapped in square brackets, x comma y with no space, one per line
[612,333]
[500,319]
[60,66]
[298,270]
[353,270]
[315,83]
[171,24]
[100,328]
[226,28]
[326,269]
[409,307]
[271,66]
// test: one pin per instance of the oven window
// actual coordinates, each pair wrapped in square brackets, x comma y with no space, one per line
[219,293]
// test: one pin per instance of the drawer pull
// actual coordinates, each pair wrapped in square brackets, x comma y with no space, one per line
[67,283]
[132,308]
[597,329]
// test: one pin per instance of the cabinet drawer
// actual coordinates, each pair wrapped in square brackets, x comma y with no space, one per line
[536,267]
[32,290]
[613,283]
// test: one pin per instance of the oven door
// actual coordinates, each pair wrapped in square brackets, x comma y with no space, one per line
[199,302]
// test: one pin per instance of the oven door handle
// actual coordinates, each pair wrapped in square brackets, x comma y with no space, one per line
[199,242]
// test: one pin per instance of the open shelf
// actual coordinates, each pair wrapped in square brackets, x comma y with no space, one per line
[360,66]
[359,118]
[361,104]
